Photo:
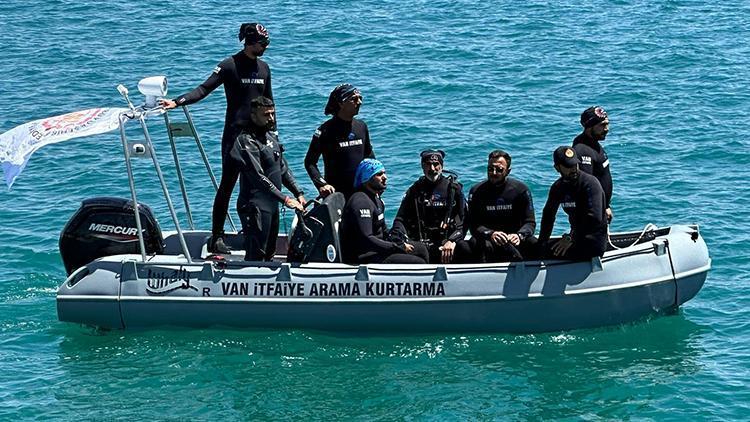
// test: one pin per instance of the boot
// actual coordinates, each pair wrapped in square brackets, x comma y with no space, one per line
[216,245]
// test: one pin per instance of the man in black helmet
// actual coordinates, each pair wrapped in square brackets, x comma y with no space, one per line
[433,212]
[501,214]
[583,199]
[593,158]
[260,157]
[245,77]
[343,141]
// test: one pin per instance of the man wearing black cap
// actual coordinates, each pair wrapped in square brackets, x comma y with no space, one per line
[433,210]
[583,199]
[244,76]
[501,214]
[363,226]
[593,158]
[263,168]
[343,141]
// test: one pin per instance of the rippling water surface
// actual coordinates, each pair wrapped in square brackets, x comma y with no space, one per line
[464,76]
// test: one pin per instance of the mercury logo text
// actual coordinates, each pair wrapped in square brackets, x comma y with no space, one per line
[107,228]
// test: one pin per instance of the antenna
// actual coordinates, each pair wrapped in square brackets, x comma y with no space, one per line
[124,92]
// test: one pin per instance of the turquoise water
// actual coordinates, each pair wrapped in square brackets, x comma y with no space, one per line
[467,77]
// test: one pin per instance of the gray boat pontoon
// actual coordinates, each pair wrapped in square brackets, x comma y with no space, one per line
[124,273]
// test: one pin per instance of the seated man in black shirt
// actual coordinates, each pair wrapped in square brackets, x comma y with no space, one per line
[263,169]
[501,214]
[433,210]
[583,199]
[363,225]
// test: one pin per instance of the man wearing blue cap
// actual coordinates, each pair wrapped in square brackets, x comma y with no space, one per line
[363,225]
[245,77]
[343,141]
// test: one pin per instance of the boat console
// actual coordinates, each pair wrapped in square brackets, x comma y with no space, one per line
[315,238]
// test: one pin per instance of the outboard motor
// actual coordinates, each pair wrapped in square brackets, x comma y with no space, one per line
[106,226]
[316,236]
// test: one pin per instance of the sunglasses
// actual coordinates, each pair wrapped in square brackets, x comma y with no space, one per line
[353,97]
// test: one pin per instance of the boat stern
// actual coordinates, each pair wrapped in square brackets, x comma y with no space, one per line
[690,261]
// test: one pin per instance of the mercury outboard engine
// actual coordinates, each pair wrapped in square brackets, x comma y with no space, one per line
[316,236]
[106,226]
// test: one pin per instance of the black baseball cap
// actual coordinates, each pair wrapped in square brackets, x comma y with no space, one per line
[565,156]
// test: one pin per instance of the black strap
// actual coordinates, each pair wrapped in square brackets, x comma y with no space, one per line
[452,188]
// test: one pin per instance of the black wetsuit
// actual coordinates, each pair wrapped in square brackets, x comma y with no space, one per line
[244,79]
[363,232]
[508,208]
[343,145]
[594,161]
[435,205]
[584,201]
[263,171]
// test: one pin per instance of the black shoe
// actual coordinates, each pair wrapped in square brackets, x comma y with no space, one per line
[216,245]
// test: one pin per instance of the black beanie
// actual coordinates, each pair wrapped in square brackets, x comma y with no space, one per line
[592,116]
[431,155]
[252,33]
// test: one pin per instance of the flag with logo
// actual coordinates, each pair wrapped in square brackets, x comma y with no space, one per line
[17,144]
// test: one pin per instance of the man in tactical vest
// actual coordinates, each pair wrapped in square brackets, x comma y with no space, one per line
[433,212]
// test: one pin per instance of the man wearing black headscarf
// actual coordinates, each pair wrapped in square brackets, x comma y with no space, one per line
[593,158]
[343,141]
[245,77]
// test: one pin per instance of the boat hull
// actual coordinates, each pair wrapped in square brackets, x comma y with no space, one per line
[529,297]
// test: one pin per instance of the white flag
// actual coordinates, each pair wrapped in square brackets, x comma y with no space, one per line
[17,144]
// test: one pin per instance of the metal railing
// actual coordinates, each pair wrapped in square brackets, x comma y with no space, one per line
[174,130]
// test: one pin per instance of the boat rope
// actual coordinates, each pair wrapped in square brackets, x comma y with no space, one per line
[649,226]
[674,275]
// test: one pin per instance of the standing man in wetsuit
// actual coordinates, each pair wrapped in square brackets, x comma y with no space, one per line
[263,169]
[433,211]
[593,158]
[244,76]
[583,199]
[501,214]
[363,227]
[343,141]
